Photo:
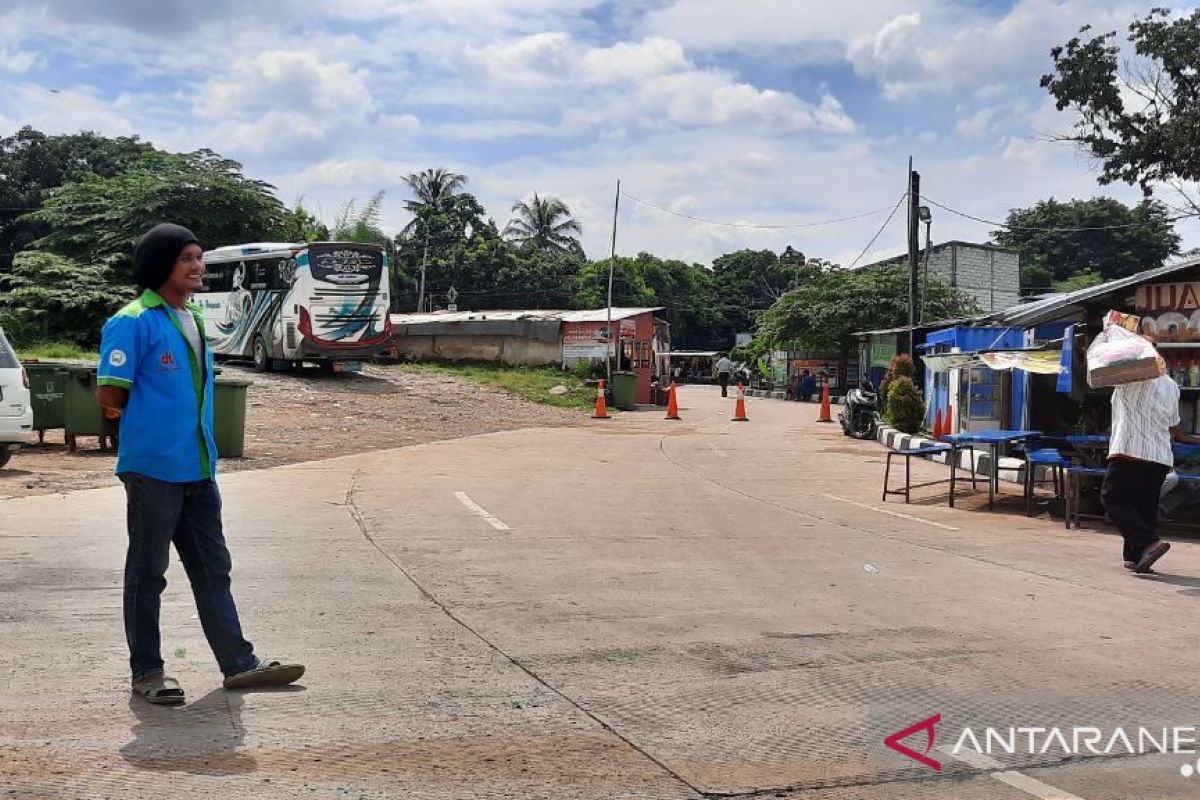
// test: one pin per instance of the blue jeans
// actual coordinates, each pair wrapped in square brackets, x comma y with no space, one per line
[188,514]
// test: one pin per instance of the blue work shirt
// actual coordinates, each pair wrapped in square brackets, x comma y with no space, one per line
[167,425]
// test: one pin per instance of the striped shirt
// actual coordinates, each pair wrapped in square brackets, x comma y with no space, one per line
[1143,414]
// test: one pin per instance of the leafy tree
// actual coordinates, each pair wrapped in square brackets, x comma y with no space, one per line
[823,312]
[1116,240]
[688,293]
[748,282]
[299,225]
[32,163]
[525,279]
[97,220]
[1138,115]
[629,286]
[546,224]
[1080,280]
[55,298]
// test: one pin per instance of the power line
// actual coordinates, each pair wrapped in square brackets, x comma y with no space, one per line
[749,224]
[965,215]
[879,232]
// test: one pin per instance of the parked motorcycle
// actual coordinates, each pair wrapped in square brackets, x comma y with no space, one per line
[860,415]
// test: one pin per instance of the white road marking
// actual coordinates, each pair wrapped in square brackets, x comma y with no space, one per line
[891,513]
[1033,786]
[1017,780]
[480,511]
[973,759]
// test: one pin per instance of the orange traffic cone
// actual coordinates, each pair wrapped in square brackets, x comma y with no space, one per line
[601,404]
[672,404]
[824,406]
[739,410]
[938,430]
[947,427]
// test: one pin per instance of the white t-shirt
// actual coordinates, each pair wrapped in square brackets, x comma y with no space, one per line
[190,331]
[724,365]
[1142,416]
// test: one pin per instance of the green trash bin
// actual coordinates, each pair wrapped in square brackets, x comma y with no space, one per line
[623,390]
[229,416]
[47,391]
[82,415]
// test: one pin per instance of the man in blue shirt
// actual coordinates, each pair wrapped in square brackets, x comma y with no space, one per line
[156,370]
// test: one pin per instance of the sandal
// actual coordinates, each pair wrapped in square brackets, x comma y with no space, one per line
[266,673]
[159,690]
[1151,554]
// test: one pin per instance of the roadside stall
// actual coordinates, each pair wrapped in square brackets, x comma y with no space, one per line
[695,366]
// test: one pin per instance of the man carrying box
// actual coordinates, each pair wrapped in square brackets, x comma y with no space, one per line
[1145,419]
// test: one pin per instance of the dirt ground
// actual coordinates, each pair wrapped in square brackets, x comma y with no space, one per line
[294,417]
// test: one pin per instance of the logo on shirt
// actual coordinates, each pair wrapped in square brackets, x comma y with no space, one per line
[166,362]
[117,358]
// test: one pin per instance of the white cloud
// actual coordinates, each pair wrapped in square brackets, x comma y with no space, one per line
[809,31]
[542,95]
[16,61]
[66,110]
[699,98]
[646,84]
[949,47]
[556,58]
[277,99]
[976,125]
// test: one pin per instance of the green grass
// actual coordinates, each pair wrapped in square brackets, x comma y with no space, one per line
[531,383]
[57,351]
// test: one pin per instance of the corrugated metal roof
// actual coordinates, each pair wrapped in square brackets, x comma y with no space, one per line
[1061,305]
[589,315]
[601,314]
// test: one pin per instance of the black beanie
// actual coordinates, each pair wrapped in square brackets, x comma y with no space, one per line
[155,253]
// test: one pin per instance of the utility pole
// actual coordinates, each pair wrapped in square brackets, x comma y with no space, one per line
[914,246]
[612,258]
[424,259]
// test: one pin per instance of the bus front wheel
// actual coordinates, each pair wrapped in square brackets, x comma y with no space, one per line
[262,360]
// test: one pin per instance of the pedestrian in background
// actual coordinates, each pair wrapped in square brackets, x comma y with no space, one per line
[724,368]
[156,370]
[808,386]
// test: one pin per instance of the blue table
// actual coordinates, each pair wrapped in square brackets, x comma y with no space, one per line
[993,440]
[1086,444]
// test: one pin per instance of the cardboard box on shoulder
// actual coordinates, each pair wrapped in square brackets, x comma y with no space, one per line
[1141,369]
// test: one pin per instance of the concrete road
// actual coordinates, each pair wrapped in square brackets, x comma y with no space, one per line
[635,608]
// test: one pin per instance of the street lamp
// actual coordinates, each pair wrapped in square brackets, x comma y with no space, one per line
[926,216]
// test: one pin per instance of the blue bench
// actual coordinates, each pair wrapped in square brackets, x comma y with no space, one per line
[914,452]
[1051,459]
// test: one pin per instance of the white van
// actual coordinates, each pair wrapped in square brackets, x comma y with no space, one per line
[16,412]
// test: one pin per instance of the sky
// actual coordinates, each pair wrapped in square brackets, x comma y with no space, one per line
[753,112]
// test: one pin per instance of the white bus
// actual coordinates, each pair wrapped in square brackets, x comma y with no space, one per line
[278,303]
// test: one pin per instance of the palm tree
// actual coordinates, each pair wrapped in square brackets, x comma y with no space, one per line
[433,191]
[544,223]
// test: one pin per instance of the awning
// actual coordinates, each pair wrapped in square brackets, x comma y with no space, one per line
[1042,362]
[942,362]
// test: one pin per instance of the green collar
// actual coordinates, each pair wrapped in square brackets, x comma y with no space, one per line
[151,298]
